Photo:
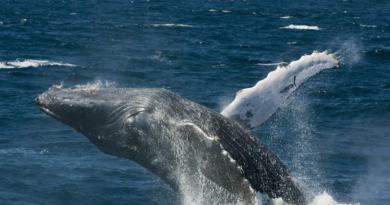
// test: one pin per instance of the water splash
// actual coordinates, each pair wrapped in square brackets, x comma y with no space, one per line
[350,52]
[319,199]
[97,84]
[325,199]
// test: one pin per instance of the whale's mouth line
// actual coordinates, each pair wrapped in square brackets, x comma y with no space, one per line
[50,113]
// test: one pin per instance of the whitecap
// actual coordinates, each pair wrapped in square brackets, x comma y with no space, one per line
[159,57]
[305,27]
[286,17]
[370,26]
[226,11]
[294,42]
[23,151]
[171,25]
[4,65]
[212,10]
[31,63]
[271,64]
[23,20]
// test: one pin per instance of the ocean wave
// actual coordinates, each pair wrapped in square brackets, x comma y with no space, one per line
[305,27]
[380,53]
[23,151]
[30,63]
[369,26]
[160,57]
[172,25]
[270,64]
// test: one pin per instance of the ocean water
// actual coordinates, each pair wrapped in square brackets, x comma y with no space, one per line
[333,132]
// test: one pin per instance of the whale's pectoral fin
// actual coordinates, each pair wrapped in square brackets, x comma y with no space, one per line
[269,94]
[287,88]
[218,166]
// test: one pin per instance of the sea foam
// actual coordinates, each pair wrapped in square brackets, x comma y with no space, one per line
[30,63]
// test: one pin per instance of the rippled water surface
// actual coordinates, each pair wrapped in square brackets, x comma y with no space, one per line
[333,132]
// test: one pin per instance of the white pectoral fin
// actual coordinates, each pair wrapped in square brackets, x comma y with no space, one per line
[253,106]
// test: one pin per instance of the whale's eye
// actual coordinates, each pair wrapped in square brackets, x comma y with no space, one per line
[135,113]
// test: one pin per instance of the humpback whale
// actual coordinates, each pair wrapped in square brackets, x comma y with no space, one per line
[193,149]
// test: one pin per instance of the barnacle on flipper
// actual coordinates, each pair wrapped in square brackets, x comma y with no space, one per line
[337,60]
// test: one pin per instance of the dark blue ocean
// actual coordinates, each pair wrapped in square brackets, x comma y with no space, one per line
[333,132]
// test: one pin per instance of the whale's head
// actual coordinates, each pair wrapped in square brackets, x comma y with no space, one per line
[102,115]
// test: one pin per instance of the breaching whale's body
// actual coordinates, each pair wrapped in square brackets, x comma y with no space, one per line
[202,155]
